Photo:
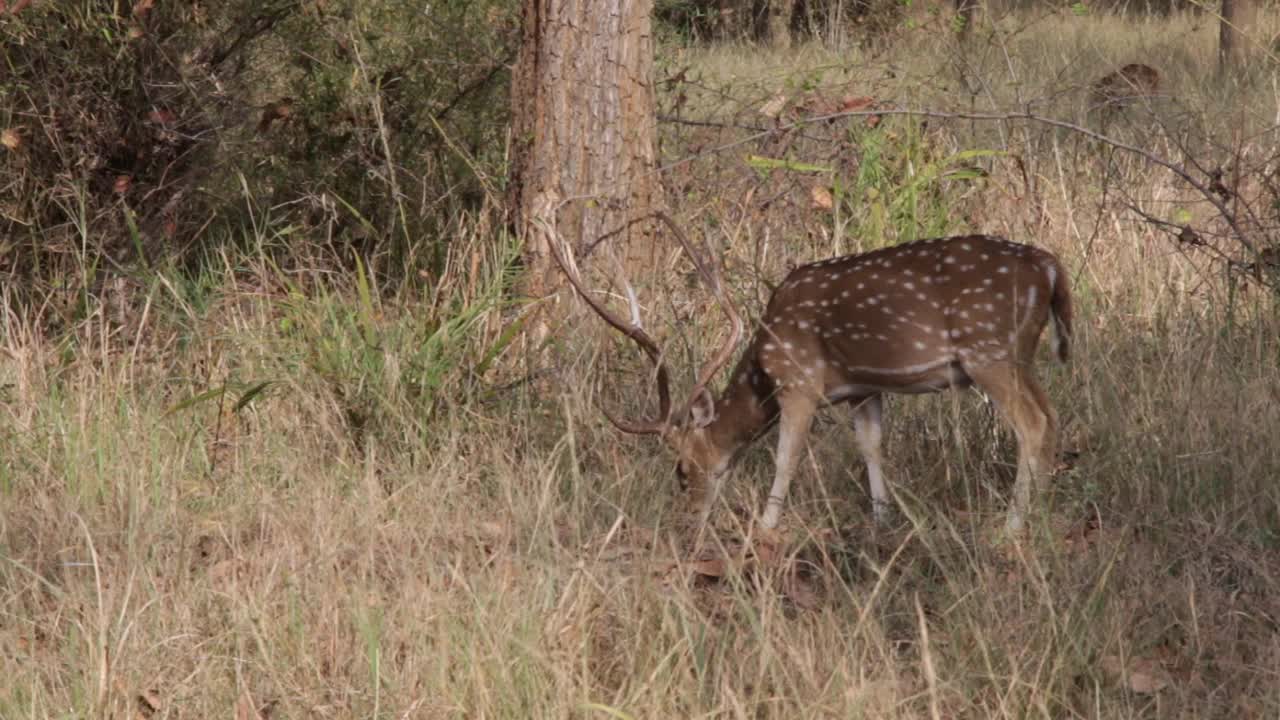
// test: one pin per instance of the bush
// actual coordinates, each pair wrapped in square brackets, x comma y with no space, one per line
[138,134]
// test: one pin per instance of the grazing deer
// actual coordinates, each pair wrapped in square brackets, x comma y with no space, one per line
[914,318]
[1123,87]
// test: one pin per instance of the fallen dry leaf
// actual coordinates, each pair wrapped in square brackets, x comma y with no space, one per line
[714,567]
[773,108]
[161,117]
[1147,676]
[1144,676]
[821,198]
[10,138]
[852,104]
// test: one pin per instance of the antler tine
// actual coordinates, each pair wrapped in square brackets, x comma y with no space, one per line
[711,276]
[631,330]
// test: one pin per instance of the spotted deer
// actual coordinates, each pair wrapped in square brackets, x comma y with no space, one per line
[1119,89]
[914,318]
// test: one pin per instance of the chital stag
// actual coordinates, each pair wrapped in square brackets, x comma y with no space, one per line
[915,318]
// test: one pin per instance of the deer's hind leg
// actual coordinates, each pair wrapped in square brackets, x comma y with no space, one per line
[1026,408]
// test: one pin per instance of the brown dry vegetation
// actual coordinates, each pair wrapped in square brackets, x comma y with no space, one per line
[397,526]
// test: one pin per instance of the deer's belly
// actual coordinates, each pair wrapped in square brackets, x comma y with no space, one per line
[870,381]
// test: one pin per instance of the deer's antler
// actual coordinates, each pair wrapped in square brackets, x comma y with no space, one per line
[709,273]
[564,258]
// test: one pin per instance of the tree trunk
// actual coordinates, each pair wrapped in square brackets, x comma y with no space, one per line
[583,129]
[1237,19]
[780,12]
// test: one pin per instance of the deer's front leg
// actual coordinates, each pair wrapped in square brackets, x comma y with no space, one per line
[798,409]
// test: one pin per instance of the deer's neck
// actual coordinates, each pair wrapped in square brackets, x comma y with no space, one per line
[747,406]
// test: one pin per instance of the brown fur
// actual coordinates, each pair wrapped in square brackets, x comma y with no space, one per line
[1124,86]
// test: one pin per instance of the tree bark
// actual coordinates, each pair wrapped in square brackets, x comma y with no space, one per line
[583,129]
[1237,19]
[780,12]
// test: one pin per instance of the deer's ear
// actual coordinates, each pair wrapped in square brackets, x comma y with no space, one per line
[703,410]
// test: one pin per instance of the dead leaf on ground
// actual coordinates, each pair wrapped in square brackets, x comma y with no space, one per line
[1145,676]
[713,567]
[10,138]
[821,198]
[849,103]
[773,108]
[162,117]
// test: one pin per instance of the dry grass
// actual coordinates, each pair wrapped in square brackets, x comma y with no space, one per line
[376,535]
